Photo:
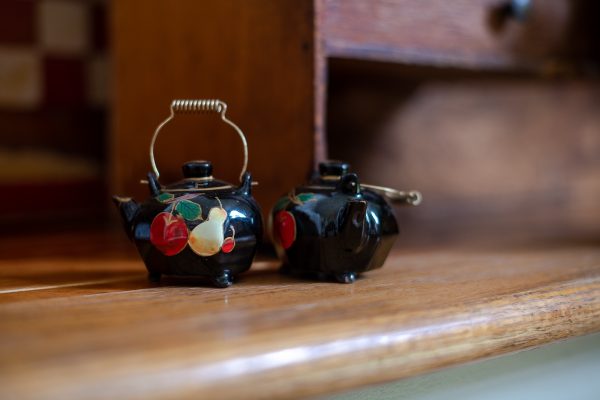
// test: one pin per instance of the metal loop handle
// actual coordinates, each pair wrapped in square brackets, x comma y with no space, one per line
[197,107]
[412,198]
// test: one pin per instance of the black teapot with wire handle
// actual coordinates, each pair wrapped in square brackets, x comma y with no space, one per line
[198,226]
[334,227]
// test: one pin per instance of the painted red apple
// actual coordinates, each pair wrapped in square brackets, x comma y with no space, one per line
[168,233]
[285,228]
[228,244]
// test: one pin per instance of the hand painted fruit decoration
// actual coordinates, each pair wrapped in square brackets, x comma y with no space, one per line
[285,228]
[199,225]
[207,238]
[334,227]
[169,233]
[228,243]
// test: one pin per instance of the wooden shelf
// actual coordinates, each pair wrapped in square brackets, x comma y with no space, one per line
[79,320]
[462,34]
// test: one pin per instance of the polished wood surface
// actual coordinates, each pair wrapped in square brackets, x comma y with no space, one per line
[79,320]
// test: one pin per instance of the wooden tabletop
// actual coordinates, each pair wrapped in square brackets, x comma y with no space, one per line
[79,320]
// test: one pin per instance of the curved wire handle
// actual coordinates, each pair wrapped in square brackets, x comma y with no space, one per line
[412,198]
[196,107]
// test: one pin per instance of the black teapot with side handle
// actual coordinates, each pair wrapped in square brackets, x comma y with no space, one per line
[198,226]
[335,226]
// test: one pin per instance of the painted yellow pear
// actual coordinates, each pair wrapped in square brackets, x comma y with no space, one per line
[207,238]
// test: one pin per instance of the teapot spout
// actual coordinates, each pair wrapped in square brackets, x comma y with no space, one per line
[128,209]
[353,229]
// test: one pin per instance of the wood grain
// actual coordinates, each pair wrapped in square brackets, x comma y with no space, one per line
[498,158]
[255,56]
[72,335]
[270,61]
[436,32]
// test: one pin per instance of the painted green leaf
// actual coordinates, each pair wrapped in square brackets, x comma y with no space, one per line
[189,210]
[164,197]
[281,203]
[304,197]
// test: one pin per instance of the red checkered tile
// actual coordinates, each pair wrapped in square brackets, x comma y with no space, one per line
[18,22]
[64,81]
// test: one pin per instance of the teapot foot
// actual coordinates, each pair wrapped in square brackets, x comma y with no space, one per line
[286,270]
[154,277]
[224,280]
[346,277]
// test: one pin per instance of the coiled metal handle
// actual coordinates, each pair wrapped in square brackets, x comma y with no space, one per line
[184,106]
[188,106]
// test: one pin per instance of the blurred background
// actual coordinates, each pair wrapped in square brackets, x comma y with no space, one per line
[488,107]
[54,112]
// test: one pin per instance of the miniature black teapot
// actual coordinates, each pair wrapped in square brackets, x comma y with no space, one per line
[336,227]
[199,225]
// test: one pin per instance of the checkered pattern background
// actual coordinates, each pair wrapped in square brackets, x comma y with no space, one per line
[52,53]
[53,93]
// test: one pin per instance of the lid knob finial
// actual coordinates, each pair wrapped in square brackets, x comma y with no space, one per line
[197,169]
[333,168]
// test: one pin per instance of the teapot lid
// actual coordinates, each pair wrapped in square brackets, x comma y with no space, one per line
[333,169]
[334,175]
[198,177]
[197,169]
[329,174]
[329,177]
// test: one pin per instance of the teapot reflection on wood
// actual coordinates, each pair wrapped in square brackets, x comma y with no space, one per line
[199,226]
[336,227]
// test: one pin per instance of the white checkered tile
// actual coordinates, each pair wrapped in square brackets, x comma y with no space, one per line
[97,80]
[63,26]
[20,78]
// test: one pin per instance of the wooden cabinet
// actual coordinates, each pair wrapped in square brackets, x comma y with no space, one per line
[467,33]
[255,56]
[274,63]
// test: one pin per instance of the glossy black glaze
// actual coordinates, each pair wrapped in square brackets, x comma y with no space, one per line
[243,222]
[341,229]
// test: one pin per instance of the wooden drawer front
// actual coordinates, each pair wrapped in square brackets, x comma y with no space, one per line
[458,32]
